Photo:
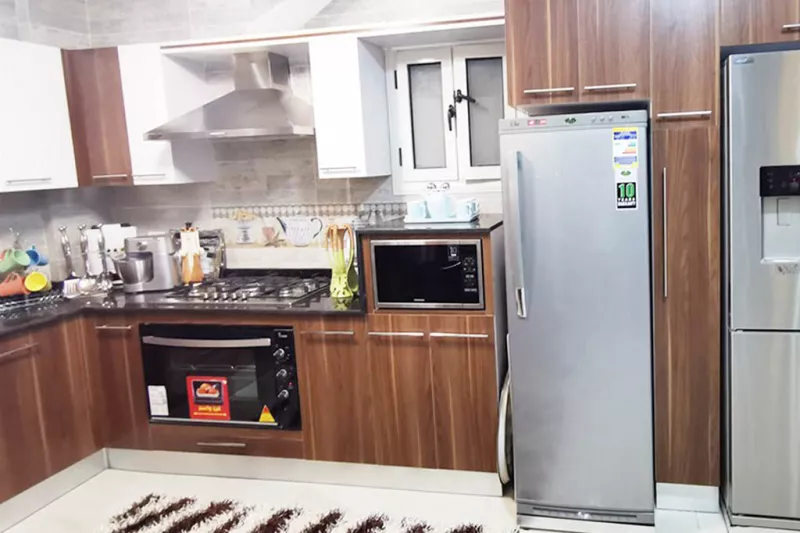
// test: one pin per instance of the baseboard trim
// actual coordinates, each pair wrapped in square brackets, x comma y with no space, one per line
[678,497]
[305,471]
[43,494]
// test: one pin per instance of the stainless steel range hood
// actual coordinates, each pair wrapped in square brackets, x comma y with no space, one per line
[261,105]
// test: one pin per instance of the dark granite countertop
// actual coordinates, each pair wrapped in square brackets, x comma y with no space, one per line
[154,302]
[485,224]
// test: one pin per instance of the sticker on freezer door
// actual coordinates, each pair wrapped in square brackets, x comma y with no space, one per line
[208,398]
[627,187]
[626,147]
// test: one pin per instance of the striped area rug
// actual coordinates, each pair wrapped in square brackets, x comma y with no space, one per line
[157,513]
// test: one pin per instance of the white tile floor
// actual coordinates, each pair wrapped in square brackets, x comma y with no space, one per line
[88,508]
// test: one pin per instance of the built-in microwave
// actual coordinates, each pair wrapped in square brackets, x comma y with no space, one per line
[427,274]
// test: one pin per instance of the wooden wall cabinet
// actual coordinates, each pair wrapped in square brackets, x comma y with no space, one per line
[759,21]
[97,114]
[684,47]
[687,306]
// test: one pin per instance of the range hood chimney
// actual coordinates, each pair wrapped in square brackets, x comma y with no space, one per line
[261,105]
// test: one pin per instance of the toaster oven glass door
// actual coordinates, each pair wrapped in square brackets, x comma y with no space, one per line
[427,274]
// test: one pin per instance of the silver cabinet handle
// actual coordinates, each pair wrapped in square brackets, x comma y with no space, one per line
[522,308]
[238,445]
[348,333]
[549,90]
[614,87]
[790,27]
[114,328]
[16,351]
[511,199]
[395,334]
[109,176]
[685,114]
[206,343]
[664,225]
[29,180]
[438,335]
[155,176]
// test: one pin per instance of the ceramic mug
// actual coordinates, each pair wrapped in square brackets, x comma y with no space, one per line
[467,209]
[37,282]
[14,260]
[441,206]
[13,285]
[37,257]
[417,210]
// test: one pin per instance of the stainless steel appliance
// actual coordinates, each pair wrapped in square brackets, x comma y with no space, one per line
[761,289]
[148,264]
[427,274]
[221,375]
[576,193]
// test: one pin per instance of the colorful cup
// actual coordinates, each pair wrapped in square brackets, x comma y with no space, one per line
[14,260]
[37,257]
[13,285]
[37,282]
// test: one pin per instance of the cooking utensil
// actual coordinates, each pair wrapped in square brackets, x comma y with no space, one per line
[13,285]
[88,283]
[66,248]
[191,251]
[301,231]
[14,260]
[37,282]
[134,267]
[341,259]
[104,281]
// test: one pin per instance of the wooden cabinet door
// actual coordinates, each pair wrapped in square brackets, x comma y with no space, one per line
[400,381]
[464,392]
[684,47]
[118,398]
[687,306]
[613,49]
[542,51]
[60,367]
[22,450]
[335,395]
[759,21]
[97,113]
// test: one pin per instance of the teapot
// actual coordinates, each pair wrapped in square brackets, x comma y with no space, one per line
[301,231]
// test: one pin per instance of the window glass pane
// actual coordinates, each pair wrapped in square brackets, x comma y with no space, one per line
[427,127]
[485,85]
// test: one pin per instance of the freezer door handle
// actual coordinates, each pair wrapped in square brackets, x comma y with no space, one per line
[664,221]
[518,265]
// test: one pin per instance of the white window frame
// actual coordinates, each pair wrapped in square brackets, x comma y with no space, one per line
[405,178]
[405,58]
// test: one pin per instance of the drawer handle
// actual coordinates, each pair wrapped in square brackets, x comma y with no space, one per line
[160,176]
[790,27]
[109,176]
[348,333]
[29,180]
[238,445]
[685,114]
[114,328]
[395,334]
[437,335]
[549,91]
[338,169]
[11,353]
[613,87]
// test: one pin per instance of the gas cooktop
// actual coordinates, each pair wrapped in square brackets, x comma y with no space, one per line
[278,290]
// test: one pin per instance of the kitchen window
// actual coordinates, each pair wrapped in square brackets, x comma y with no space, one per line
[445,109]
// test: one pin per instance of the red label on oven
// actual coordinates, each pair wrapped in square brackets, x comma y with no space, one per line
[208,398]
[537,122]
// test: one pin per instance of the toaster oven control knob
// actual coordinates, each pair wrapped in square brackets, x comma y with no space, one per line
[280,354]
[283,395]
[282,374]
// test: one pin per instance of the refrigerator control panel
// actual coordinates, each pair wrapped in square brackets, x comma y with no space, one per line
[780,181]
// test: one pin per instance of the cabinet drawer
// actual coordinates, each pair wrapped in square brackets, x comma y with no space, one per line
[226,441]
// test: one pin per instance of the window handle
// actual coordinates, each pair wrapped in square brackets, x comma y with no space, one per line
[460,97]
[451,114]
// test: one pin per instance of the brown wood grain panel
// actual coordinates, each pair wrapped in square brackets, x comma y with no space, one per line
[613,48]
[684,47]
[541,50]
[335,395]
[97,116]
[226,440]
[401,391]
[758,21]
[687,320]
[22,450]
[464,393]
[60,369]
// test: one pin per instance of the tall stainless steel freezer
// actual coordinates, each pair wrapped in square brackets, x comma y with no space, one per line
[761,289]
[576,193]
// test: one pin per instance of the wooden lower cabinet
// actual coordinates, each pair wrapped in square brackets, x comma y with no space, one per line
[118,399]
[224,440]
[687,305]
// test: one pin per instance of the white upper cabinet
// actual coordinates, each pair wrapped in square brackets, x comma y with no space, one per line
[147,78]
[36,149]
[348,78]
[445,106]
